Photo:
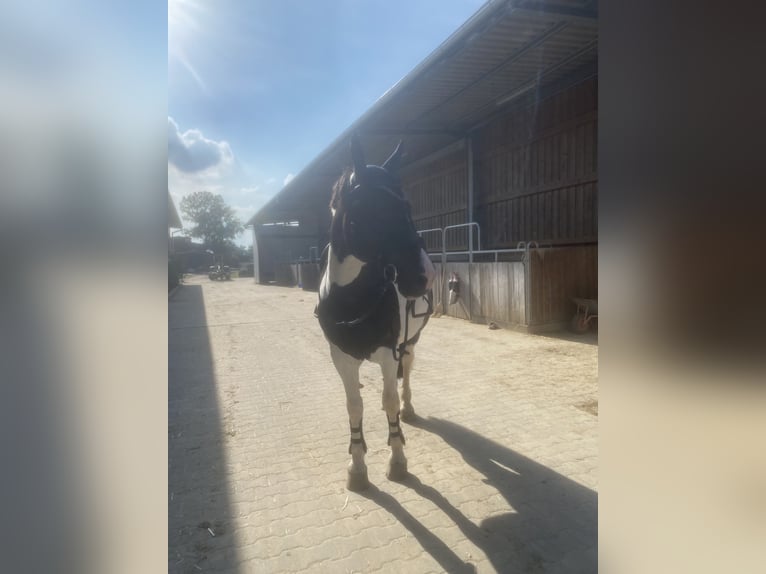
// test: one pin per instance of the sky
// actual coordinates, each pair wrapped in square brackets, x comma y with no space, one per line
[258,88]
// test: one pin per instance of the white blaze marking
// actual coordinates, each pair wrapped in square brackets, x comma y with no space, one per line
[344,273]
[340,273]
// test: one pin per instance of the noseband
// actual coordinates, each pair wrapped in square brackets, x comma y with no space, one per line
[395,196]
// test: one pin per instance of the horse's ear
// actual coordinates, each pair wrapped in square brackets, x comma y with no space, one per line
[360,165]
[392,163]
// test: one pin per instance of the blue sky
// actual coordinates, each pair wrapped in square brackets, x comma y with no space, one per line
[256,89]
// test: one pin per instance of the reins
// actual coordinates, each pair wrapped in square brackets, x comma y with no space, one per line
[410,311]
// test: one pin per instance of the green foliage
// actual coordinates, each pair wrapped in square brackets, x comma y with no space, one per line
[214,222]
[245,253]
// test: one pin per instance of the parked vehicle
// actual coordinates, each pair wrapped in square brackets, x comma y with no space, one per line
[219,273]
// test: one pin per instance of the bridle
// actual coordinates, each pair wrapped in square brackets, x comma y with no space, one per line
[388,280]
[396,196]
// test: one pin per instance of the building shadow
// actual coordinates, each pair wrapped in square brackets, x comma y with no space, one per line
[199,510]
[590,337]
[553,525]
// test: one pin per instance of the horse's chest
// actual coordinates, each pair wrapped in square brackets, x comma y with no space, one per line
[358,321]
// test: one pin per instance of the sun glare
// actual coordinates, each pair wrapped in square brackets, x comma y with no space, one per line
[182,22]
[182,19]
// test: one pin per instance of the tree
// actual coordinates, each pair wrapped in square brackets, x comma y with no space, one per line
[214,222]
[245,253]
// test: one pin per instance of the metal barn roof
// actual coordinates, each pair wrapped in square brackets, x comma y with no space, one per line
[508,52]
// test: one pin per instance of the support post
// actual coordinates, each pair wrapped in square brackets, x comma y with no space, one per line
[469,209]
[256,271]
[469,148]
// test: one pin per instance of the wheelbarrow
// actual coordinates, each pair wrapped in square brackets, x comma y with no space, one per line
[587,310]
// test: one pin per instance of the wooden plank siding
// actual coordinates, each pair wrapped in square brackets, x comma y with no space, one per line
[556,275]
[438,193]
[535,179]
[496,291]
[536,172]
[488,292]
[561,215]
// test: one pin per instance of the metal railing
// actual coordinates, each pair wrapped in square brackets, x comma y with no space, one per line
[434,230]
[470,251]
[521,246]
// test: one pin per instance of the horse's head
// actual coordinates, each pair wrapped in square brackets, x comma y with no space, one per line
[372,221]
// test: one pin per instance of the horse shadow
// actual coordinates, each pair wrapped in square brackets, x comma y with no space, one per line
[553,525]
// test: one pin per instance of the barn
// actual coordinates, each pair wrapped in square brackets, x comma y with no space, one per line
[499,125]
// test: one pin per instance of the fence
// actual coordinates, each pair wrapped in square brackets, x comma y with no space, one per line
[534,293]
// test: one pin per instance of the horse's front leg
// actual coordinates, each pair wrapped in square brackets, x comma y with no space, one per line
[408,412]
[348,369]
[397,464]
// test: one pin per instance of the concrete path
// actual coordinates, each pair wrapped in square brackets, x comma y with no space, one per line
[503,456]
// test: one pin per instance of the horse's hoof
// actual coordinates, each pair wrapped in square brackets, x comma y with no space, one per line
[407,413]
[397,470]
[357,481]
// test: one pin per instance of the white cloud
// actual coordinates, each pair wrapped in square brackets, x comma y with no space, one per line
[192,152]
[288,178]
[245,212]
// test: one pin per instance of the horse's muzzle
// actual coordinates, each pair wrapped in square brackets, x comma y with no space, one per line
[424,281]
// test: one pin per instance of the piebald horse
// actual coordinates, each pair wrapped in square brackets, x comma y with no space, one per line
[374,298]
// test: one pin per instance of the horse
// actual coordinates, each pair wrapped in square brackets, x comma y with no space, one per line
[374,298]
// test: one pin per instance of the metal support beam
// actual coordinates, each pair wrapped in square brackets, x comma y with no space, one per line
[469,210]
[256,262]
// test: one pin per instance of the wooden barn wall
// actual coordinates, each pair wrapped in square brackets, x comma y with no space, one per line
[557,275]
[277,250]
[488,292]
[438,194]
[536,171]
[497,293]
